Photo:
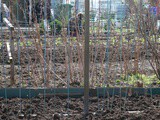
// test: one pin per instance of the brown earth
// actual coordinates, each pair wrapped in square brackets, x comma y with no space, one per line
[113,108]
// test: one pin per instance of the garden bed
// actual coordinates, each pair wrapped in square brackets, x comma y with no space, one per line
[55,108]
[29,68]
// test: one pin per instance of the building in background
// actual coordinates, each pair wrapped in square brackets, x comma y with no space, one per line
[122,12]
[112,7]
[78,6]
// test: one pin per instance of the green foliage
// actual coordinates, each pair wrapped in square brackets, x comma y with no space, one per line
[110,25]
[58,26]
[29,43]
[74,39]
[58,42]
[41,27]
[133,78]
[158,82]
[118,81]
[63,12]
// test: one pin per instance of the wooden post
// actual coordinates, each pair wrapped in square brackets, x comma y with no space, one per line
[86,59]
[46,25]
[6,11]
[77,6]
[12,60]
[11,50]
[30,12]
[0,11]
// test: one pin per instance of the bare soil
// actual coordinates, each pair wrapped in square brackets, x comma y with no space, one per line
[55,108]
[59,78]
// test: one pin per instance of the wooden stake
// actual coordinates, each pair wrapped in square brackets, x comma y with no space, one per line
[30,12]
[12,61]
[86,60]
[11,49]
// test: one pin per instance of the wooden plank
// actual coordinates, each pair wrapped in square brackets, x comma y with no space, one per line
[52,13]
[46,25]
[158,24]
[135,112]
[6,10]
[64,95]
[7,22]
[9,51]
[30,11]
[75,92]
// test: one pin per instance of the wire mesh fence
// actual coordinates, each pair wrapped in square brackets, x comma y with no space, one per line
[42,47]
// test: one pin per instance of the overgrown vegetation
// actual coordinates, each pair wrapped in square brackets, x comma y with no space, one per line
[138,80]
[55,26]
